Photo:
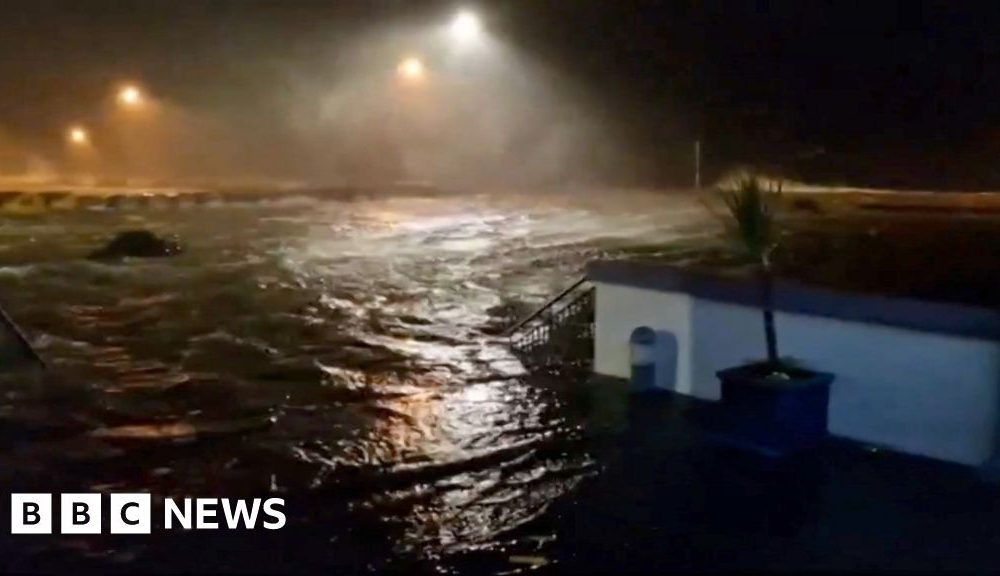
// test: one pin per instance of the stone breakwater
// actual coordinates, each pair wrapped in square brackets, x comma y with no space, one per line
[36,203]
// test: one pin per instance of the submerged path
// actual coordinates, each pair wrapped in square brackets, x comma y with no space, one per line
[343,355]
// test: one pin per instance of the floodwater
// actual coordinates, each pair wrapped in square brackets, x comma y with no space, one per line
[341,355]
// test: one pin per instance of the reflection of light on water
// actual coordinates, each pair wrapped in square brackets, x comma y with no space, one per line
[478,393]
[409,430]
[472,451]
[366,328]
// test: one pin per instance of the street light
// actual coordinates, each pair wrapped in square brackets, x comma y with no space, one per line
[411,69]
[130,96]
[466,27]
[78,136]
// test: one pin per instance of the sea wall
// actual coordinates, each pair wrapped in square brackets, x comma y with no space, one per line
[919,377]
[40,202]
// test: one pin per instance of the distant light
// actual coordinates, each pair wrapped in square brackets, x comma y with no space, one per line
[130,96]
[466,27]
[411,69]
[78,136]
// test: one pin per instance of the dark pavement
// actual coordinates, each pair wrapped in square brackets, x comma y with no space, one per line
[670,500]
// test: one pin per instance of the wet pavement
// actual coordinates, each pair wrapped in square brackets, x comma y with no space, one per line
[667,499]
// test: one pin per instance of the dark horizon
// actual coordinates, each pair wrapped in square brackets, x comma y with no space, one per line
[897,94]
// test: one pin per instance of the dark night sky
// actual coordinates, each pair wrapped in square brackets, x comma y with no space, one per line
[883,93]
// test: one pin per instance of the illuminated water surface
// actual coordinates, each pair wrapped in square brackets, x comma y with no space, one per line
[341,354]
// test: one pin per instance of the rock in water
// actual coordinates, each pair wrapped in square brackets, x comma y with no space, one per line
[136,244]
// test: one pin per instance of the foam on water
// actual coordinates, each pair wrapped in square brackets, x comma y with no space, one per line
[339,352]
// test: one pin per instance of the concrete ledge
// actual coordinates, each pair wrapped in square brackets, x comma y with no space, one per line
[951,319]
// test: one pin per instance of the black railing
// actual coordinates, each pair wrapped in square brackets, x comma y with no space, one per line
[561,331]
[17,350]
[547,307]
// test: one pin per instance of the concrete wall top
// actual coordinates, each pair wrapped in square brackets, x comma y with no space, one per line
[952,319]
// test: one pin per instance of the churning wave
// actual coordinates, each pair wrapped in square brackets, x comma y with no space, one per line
[343,350]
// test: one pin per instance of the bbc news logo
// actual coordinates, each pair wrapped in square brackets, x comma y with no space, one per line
[133,513]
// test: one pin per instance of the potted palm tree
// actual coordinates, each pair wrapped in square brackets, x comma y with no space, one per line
[773,404]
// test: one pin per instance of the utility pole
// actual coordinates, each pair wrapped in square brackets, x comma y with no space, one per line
[697,164]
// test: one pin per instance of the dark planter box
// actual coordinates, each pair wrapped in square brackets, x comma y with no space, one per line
[775,417]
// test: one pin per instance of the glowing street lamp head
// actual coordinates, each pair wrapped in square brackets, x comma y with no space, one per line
[466,27]
[130,96]
[78,136]
[411,69]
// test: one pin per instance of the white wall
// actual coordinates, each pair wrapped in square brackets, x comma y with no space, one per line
[622,309]
[919,392]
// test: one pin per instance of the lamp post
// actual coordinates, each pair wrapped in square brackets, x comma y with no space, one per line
[78,136]
[411,70]
[466,27]
[130,96]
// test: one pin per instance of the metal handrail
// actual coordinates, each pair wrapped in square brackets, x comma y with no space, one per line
[565,313]
[14,330]
[543,308]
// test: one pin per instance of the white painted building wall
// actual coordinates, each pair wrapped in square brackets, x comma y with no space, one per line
[923,393]
[615,318]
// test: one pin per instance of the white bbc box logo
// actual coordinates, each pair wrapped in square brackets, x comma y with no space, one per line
[80,513]
[31,514]
[131,514]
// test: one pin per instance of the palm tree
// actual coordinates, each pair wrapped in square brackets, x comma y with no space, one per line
[751,225]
